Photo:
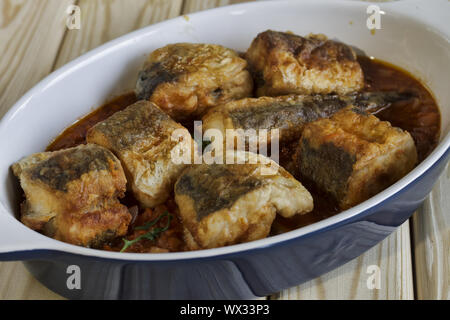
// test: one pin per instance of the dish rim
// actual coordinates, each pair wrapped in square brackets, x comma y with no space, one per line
[48,244]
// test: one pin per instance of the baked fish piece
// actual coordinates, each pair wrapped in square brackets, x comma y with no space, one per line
[288,113]
[186,79]
[72,195]
[284,63]
[142,137]
[353,155]
[224,204]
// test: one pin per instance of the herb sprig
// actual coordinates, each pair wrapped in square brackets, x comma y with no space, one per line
[151,234]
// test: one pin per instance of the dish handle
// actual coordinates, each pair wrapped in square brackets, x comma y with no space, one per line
[18,242]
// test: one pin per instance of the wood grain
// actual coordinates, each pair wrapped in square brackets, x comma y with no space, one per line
[30,31]
[393,258]
[191,6]
[431,242]
[17,283]
[104,20]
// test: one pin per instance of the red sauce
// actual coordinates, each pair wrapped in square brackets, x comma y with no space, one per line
[76,134]
[420,116]
[167,241]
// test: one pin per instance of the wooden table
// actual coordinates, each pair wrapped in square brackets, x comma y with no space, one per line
[34,41]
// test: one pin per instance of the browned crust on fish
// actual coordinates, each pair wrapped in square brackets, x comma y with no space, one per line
[67,188]
[223,204]
[141,137]
[353,155]
[284,63]
[187,79]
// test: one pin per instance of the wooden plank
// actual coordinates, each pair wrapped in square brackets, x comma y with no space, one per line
[101,21]
[104,20]
[30,31]
[17,283]
[191,6]
[431,242]
[393,258]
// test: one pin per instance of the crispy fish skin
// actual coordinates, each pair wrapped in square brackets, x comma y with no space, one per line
[141,137]
[224,204]
[71,194]
[288,113]
[354,155]
[284,63]
[186,79]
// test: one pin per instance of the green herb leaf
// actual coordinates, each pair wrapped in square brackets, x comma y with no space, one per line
[150,235]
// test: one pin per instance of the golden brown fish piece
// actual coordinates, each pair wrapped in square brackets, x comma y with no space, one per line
[186,79]
[71,194]
[284,63]
[142,137]
[224,204]
[354,155]
[288,114]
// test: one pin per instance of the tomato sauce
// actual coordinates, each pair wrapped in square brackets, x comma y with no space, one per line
[76,133]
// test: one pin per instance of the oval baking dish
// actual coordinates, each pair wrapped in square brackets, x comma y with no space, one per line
[414,36]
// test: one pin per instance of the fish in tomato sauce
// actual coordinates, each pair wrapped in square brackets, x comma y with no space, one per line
[418,114]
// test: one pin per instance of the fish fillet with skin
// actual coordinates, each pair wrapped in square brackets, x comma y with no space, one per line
[186,79]
[284,63]
[353,155]
[224,204]
[72,195]
[142,137]
[289,114]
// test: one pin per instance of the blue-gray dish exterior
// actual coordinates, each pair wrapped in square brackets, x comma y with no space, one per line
[240,275]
